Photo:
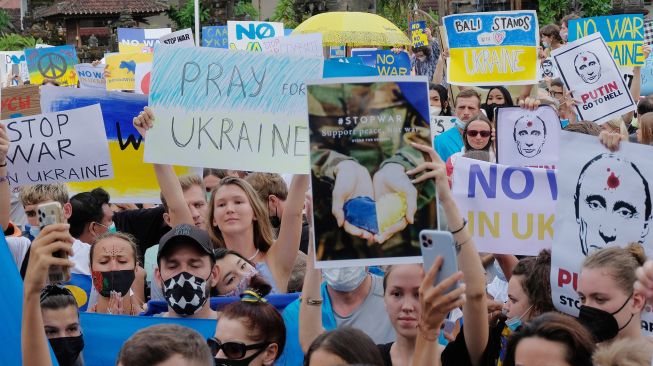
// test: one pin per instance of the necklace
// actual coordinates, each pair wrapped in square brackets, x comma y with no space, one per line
[254,256]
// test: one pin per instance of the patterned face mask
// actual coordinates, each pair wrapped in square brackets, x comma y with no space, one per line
[243,284]
[186,293]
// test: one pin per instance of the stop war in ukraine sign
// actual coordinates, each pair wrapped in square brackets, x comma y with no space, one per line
[498,48]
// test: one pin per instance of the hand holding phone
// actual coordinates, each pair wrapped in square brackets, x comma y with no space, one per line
[436,243]
[52,239]
[49,214]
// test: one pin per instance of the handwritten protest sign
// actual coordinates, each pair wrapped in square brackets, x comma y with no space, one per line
[232,110]
[509,209]
[66,146]
[122,67]
[53,63]
[372,138]
[246,35]
[624,35]
[418,37]
[19,101]
[215,37]
[13,62]
[306,45]
[590,73]
[647,76]
[134,181]
[528,138]
[493,48]
[183,37]
[139,40]
[91,77]
[390,63]
[439,124]
[604,200]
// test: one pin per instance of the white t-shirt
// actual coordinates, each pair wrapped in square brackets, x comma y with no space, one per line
[81,252]
[18,246]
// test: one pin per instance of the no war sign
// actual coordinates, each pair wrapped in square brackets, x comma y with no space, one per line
[244,35]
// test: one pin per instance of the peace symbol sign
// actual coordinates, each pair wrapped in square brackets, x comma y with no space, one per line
[52,65]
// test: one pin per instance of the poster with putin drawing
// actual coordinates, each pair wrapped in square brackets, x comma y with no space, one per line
[528,138]
[492,48]
[366,208]
[591,74]
[604,200]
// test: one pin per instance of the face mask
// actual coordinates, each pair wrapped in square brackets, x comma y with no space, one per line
[34,231]
[344,279]
[460,124]
[563,35]
[242,362]
[208,196]
[435,111]
[514,323]
[116,281]
[422,58]
[67,349]
[600,323]
[112,228]
[489,110]
[185,293]
[243,284]
[546,45]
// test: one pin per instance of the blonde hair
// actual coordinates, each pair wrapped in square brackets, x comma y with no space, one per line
[267,184]
[617,125]
[646,128]
[187,182]
[263,233]
[625,352]
[622,263]
[38,193]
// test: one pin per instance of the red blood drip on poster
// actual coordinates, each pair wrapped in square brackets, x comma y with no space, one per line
[529,124]
[613,181]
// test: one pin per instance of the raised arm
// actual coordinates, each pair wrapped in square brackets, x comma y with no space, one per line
[636,87]
[165,175]
[281,256]
[34,343]
[310,308]
[439,67]
[475,309]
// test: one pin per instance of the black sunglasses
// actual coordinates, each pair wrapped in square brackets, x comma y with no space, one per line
[233,350]
[54,290]
[473,133]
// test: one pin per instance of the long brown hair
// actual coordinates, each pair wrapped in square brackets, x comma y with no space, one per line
[263,233]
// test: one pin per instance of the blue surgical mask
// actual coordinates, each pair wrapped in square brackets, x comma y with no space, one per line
[460,124]
[34,231]
[112,228]
[515,323]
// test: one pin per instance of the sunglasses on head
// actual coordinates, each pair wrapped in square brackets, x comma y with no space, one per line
[473,133]
[233,350]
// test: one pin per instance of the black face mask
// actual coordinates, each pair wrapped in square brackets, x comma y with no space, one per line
[67,349]
[186,293]
[117,281]
[241,362]
[489,110]
[600,323]
[275,220]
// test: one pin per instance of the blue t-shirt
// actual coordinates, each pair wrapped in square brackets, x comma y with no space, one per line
[448,143]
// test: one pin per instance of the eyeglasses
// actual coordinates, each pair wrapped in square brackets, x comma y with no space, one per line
[233,350]
[473,133]
[54,290]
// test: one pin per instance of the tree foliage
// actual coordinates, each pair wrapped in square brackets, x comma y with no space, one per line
[16,42]
[184,17]
[285,12]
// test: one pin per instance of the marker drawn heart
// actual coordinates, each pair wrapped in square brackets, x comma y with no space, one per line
[499,37]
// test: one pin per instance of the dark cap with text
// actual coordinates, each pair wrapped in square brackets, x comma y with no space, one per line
[186,234]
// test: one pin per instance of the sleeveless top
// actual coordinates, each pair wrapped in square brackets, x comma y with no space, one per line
[264,271]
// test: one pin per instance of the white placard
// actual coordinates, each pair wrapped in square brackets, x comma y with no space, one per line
[246,35]
[91,77]
[183,37]
[304,45]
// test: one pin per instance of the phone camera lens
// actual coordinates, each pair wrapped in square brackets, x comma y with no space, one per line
[424,238]
[430,241]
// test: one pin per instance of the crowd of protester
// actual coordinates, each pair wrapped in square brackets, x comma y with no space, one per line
[247,235]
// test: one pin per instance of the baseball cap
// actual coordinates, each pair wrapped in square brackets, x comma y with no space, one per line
[189,234]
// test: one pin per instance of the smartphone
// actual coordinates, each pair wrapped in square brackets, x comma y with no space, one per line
[48,214]
[436,243]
